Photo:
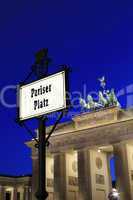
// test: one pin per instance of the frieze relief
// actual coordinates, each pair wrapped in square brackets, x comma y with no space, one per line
[50,182]
[73,181]
[100,179]
[75,166]
[99,163]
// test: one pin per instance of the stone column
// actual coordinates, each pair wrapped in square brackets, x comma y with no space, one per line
[15,193]
[30,193]
[60,177]
[2,192]
[93,175]
[122,171]
[26,193]
[35,174]
[84,175]
[21,192]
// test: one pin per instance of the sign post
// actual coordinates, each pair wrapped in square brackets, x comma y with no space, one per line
[39,98]
[42,192]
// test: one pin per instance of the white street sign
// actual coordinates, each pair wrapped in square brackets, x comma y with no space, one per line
[43,96]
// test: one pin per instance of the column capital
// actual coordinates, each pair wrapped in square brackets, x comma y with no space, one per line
[82,149]
[121,143]
[26,186]
[59,153]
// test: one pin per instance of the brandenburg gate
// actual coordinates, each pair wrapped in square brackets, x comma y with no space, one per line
[78,157]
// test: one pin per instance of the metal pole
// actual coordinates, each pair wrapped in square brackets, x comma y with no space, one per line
[41,69]
[42,193]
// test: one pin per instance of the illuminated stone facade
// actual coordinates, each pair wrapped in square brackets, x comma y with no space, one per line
[15,188]
[79,154]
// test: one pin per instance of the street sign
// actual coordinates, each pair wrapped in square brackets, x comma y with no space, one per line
[43,96]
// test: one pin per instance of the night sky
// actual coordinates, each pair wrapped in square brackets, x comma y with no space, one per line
[94,37]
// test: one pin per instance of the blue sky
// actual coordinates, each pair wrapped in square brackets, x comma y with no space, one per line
[94,37]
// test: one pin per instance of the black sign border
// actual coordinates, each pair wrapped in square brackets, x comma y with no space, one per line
[66,96]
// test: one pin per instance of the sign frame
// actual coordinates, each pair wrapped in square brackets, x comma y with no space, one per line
[65,95]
